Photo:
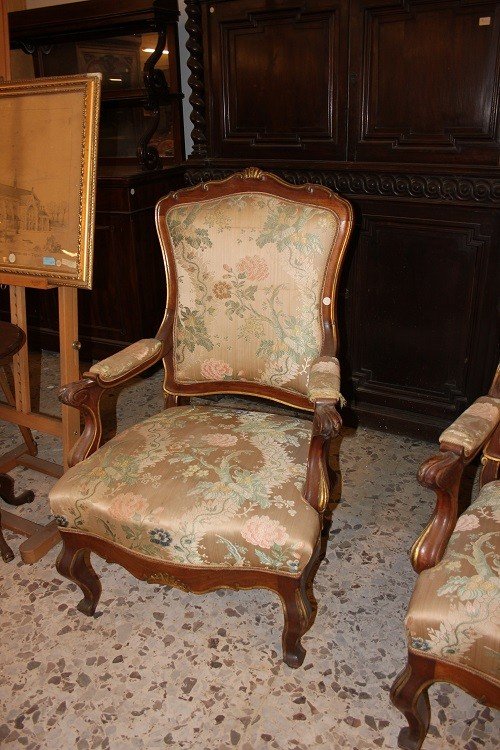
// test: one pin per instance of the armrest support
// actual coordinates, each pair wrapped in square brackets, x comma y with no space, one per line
[324,380]
[441,473]
[459,443]
[85,395]
[326,424]
[123,365]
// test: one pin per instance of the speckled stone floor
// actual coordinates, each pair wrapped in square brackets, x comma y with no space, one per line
[159,668]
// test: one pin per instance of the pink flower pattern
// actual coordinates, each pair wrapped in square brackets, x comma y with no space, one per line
[128,505]
[215,369]
[263,531]
[254,267]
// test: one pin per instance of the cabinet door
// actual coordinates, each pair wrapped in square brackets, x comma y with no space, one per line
[424,81]
[276,78]
[420,315]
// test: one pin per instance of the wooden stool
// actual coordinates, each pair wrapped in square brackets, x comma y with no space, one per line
[40,538]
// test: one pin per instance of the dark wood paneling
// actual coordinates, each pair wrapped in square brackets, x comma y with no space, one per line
[424,81]
[417,322]
[278,78]
[108,324]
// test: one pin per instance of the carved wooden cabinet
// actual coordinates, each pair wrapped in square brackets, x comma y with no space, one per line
[394,104]
[134,45]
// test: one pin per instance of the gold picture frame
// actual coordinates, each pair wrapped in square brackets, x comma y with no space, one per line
[48,162]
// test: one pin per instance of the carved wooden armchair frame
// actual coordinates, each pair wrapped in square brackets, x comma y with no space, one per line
[74,560]
[443,474]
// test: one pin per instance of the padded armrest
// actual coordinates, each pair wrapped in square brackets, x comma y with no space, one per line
[472,428]
[130,361]
[324,380]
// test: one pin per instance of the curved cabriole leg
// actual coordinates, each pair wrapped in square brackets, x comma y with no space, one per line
[298,612]
[74,564]
[409,695]
[7,492]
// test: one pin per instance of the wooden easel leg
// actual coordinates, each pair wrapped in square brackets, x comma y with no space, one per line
[70,370]
[20,365]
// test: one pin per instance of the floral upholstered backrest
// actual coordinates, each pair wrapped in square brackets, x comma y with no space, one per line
[250,270]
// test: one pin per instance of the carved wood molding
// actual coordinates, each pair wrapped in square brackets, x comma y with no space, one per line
[194,45]
[433,187]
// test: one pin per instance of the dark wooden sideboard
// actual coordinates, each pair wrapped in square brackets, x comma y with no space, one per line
[395,105]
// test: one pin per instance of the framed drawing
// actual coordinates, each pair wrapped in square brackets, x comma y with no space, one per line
[48,155]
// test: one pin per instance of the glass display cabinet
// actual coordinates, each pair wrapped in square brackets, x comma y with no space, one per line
[134,45]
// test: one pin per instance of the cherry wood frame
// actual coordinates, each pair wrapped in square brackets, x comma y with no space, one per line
[295,591]
[442,473]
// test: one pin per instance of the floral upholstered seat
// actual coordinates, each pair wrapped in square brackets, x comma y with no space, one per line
[454,613]
[199,486]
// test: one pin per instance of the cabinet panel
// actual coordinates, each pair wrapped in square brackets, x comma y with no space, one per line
[278,75]
[102,320]
[425,85]
[421,309]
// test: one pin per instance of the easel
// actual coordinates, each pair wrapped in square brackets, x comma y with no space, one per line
[18,408]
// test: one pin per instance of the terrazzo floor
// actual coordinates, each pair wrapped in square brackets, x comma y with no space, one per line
[159,668]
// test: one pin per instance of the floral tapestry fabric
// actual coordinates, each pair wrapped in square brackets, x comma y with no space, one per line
[324,380]
[118,364]
[472,427]
[200,486]
[250,272]
[454,613]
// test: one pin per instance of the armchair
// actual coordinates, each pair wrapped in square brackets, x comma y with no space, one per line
[204,497]
[453,620]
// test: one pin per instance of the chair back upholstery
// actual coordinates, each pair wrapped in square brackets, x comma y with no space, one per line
[252,269]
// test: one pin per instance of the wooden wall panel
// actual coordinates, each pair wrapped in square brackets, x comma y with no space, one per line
[417,322]
[279,78]
[425,81]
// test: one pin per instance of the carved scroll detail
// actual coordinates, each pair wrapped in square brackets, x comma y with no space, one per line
[446,188]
